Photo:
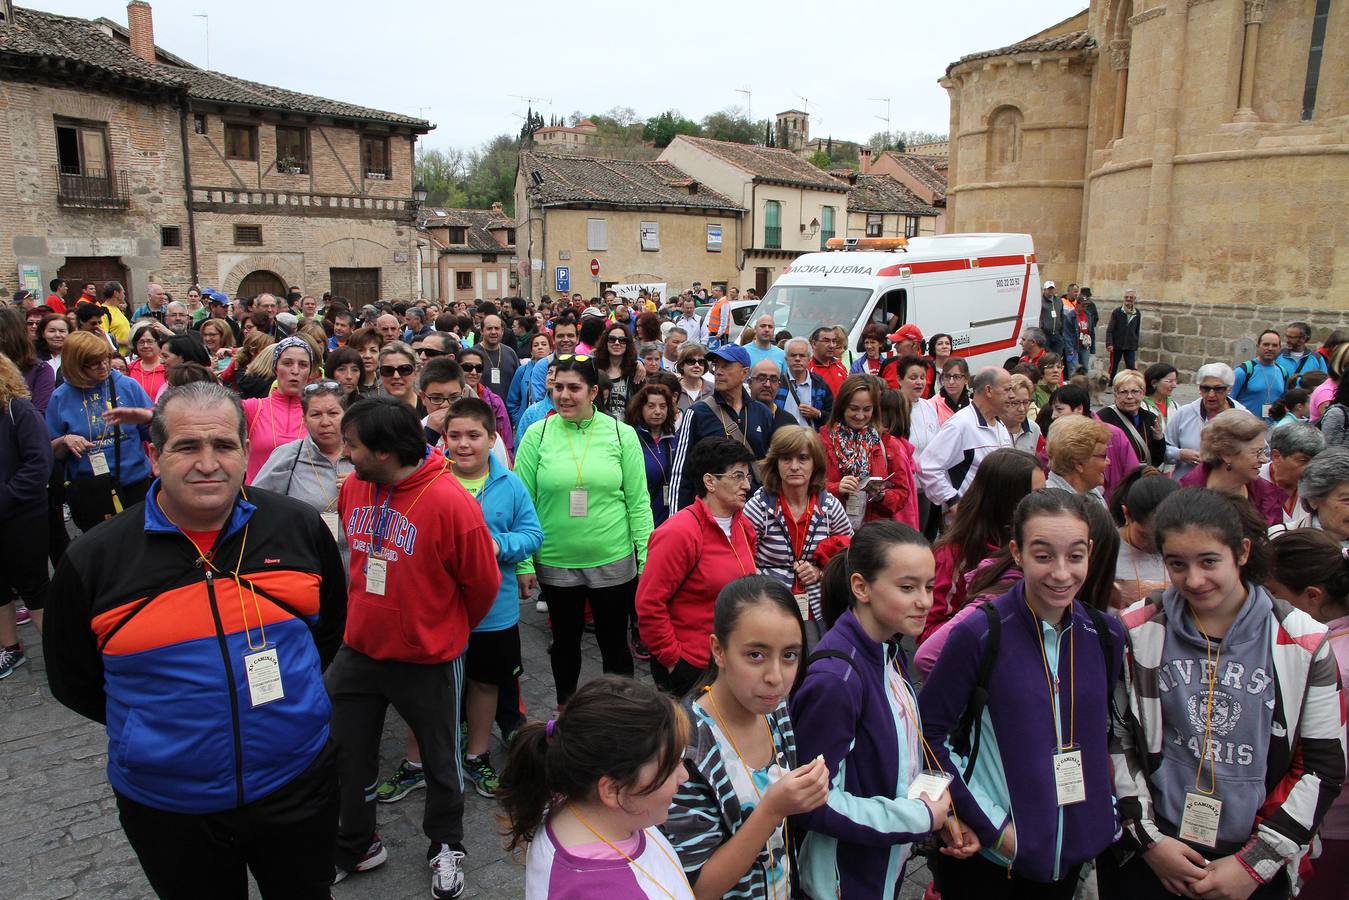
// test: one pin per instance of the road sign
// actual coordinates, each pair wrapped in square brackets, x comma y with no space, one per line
[594,267]
[563,278]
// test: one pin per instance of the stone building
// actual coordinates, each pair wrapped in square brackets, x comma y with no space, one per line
[1196,150]
[468,254]
[566,138]
[119,160]
[881,206]
[792,205]
[643,221]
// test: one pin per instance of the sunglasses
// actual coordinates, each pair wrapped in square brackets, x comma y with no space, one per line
[471,367]
[1213,388]
[431,354]
[315,386]
[618,339]
[574,357]
[404,370]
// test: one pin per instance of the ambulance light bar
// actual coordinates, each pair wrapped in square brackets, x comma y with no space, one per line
[872,243]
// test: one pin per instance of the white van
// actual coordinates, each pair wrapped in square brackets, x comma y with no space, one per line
[981,289]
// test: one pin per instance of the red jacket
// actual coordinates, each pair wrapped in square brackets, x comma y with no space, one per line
[442,576]
[688,562]
[891,455]
[833,372]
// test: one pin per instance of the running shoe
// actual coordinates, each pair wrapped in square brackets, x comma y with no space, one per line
[21,615]
[484,777]
[375,856]
[447,871]
[405,779]
[11,660]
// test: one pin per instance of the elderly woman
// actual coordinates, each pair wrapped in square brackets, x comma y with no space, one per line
[398,373]
[313,468]
[99,423]
[1324,490]
[1138,423]
[799,524]
[1024,430]
[1291,449]
[691,368]
[278,418]
[1231,454]
[1077,455]
[1184,425]
[148,368]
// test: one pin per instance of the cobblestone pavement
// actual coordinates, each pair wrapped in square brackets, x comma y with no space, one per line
[59,834]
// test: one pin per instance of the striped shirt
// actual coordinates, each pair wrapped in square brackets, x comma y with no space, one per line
[774,554]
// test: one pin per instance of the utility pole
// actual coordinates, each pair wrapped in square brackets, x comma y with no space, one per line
[749,101]
[886,117]
[207,18]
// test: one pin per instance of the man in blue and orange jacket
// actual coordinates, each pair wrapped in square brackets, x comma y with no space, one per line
[196,626]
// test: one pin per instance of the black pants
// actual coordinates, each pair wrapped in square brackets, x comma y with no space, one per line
[611,607]
[1125,356]
[58,538]
[285,839]
[676,682]
[976,877]
[427,697]
[23,560]
[1135,880]
[130,494]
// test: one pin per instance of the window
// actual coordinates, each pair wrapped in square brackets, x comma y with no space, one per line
[1314,53]
[82,148]
[463,281]
[170,236]
[199,124]
[248,235]
[713,238]
[911,224]
[292,149]
[489,257]
[597,234]
[1004,137]
[826,225]
[875,224]
[772,225]
[241,142]
[375,156]
[510,236]
[650,236]
[892,309]
[458,234]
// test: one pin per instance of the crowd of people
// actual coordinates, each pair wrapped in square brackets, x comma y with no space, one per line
[848,570]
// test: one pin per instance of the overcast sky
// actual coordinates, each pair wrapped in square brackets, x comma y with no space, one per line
[465,65]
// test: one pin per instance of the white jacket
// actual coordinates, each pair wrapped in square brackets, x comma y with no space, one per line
[948,464]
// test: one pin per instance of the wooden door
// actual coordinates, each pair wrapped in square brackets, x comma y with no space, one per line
[98,269]
[358,286]
[262,282]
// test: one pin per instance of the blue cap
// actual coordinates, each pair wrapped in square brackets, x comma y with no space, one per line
[214,296]
[733,353]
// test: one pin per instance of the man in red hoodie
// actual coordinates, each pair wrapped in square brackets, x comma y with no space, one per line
[423,573]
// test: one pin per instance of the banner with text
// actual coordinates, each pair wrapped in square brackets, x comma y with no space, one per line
[629,292]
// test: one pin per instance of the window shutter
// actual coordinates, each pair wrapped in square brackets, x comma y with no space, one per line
[597,234]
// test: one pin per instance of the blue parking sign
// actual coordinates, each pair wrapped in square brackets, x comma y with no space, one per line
[563,279]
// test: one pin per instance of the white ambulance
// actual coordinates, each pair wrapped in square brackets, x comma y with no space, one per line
[982,289]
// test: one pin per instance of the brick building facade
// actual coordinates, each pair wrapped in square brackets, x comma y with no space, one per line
[119,160]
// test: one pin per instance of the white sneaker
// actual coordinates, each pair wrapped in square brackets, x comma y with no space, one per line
[447,873]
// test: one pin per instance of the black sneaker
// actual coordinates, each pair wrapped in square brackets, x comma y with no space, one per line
[638,649]
[375,856]
[11,660]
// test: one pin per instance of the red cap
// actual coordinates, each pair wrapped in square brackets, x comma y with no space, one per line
[907,332]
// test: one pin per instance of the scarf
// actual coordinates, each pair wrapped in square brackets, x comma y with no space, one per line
[854,449]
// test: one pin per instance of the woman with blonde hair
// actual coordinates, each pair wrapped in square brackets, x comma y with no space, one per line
[25,464]
[1024,430]
[236,373]
[800,524]
[1077,455]
[218,339]
[1232,452]
[1139,424]
[105,466]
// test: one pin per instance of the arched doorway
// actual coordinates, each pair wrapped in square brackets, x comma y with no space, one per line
[261,282]
[99,269]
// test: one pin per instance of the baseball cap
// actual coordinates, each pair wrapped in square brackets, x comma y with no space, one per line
[732,353]
[214,296]
[1047,285]
[909,332]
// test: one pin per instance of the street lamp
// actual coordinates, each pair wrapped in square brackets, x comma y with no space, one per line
[419,193]
[814,227]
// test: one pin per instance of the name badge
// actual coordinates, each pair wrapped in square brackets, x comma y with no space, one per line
[1069,784]
[1264,410]
[1199,820]
[579,503]
[496,376]
[665,494]
[933,784]
[803,604]
[334,524]
[98,462]
[376,574]
[264,676]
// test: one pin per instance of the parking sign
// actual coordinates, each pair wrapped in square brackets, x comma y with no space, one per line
[563,279]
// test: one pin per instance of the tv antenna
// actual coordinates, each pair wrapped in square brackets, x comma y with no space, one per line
[207,19]
[749,101]
[885,118]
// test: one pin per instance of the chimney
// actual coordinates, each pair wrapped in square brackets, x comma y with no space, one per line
[496,207]
[141,23]
[864,161]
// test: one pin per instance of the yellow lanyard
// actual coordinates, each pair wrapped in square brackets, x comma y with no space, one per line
[238,585]
[911,713]
[1052,680]
[374,497]
[1208,710]
[634,863]
[580,463]
[328,506]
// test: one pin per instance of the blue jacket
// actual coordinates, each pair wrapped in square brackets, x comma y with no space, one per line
[857,844]
[755,421]
[25,460]
[514,525]
[519,396]
[141,637]
[820,397]
[73,410]
[658,456]
[1013,778]
[1258,385]
[537,412]
[1311,361]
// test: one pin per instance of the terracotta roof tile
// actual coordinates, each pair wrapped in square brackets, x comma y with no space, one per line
[929,171]
[1073,40]
[223,88]
[479,223]
[618,182]
[883,194]
[769,163]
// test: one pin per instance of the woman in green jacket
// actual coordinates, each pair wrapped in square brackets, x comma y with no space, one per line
[585,474]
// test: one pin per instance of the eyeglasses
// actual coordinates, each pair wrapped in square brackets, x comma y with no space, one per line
[954,376]
[1018,404]
[403,371]
[441,400]
[768,379]
[315,386]
[737,477]
[1213,388]
[431,354]
[471,367]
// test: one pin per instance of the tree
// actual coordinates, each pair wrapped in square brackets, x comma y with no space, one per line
[664,128]
[730,125]
[533,122]
[442,172]
[492,174]
[820,160]
[900,140]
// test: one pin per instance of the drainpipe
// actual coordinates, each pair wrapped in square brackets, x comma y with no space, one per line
[185,110]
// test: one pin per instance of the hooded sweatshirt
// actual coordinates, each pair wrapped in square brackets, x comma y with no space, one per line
[441,574]
[514,525]
[272,421]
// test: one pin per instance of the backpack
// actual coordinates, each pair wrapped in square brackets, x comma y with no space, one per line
[968,733]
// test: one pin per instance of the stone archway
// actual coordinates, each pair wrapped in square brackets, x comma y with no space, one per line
[261,281]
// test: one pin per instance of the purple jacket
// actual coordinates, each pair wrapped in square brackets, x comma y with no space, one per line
[41,381]
[1266,496]
[1022,723]
[25,459]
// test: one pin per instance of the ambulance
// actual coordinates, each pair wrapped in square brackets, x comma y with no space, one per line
[982,289]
